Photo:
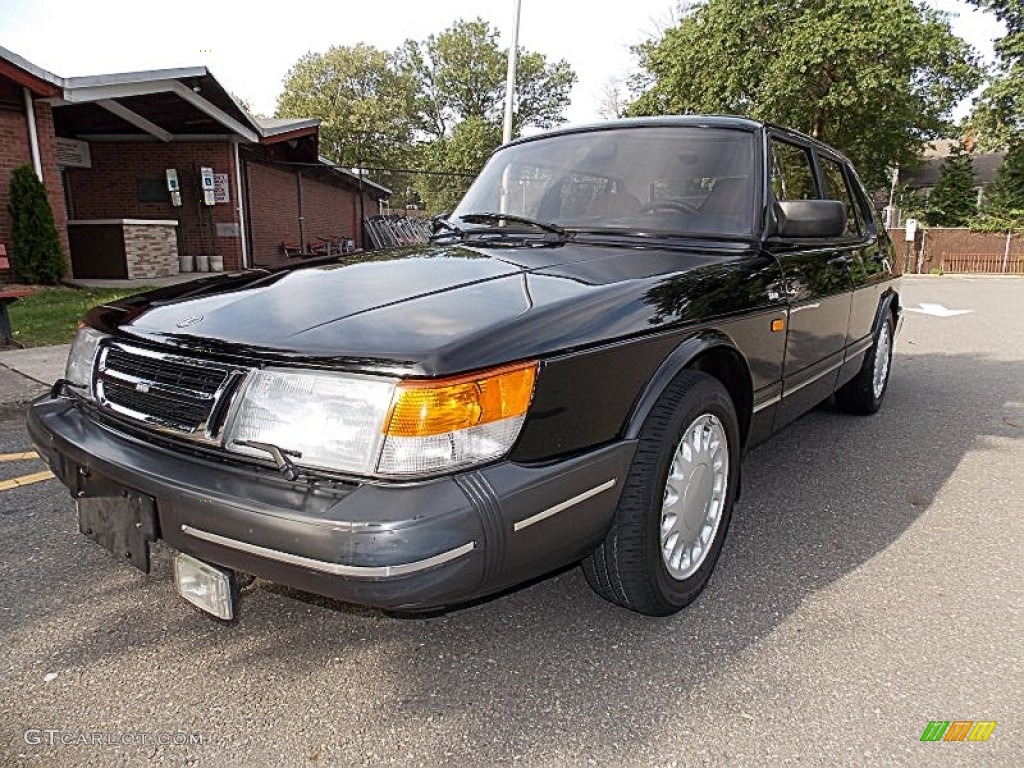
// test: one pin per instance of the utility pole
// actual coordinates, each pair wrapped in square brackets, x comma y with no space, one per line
[510,82]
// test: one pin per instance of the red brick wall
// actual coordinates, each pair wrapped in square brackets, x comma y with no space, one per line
[273,212]
[328,210]
[108,189]
[51,174]
[14,151]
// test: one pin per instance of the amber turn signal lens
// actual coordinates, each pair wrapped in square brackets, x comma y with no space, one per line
[422,408]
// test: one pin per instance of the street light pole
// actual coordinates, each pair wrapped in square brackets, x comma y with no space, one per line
[510,82]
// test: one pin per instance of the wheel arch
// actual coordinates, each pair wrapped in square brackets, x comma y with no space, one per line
[713,353]
[888,304]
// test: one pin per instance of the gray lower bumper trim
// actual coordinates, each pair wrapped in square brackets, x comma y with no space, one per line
[335,569]
[564,505]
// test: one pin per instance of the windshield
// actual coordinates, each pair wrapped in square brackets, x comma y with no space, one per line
[677,180]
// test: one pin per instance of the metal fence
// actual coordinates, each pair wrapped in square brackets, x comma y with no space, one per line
[389,231]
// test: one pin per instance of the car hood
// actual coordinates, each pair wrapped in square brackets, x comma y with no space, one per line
[426,310]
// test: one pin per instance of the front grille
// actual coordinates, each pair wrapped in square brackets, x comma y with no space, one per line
[189,376]
[162,390]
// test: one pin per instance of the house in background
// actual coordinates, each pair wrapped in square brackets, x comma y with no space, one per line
[144,168]
[923,180]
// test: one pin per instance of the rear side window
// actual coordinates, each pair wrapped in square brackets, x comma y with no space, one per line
[839,189]
[792,172]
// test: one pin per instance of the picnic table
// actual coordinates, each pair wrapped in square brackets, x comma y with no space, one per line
[8,296]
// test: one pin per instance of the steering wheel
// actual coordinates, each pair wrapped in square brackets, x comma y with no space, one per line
[678,206]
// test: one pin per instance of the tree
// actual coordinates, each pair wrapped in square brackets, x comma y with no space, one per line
[36,255]
[454,161]
[875,78]
[1002,207]
[998,115]
[459,106]
[460,73]
[364,102]
[953,201]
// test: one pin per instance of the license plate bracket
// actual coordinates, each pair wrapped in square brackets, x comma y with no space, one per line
[124,524]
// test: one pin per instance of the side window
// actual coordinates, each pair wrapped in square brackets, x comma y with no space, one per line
[839,189]
[792,172]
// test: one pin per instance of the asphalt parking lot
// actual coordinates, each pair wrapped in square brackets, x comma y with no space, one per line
[872,582]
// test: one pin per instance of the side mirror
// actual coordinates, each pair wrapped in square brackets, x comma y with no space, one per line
[810,218]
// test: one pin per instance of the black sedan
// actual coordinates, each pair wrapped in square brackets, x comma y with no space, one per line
[571,371]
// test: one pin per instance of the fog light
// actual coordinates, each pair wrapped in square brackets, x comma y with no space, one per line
[205,586]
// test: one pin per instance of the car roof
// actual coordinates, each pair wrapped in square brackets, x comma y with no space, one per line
[702,121]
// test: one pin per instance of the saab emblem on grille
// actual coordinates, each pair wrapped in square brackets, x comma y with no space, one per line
[185,322]
[142,387]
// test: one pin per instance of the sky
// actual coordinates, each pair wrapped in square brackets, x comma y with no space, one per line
[250,46]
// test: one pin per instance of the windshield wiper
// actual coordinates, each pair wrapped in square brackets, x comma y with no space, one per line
[485,217]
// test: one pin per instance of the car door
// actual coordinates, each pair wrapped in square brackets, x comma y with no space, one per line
[871,272]
[818,289]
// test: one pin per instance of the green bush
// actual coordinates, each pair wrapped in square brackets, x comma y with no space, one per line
[36,255]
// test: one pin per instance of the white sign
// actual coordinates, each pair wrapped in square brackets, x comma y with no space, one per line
[208,197]
[911,230]
[220,188]
[172,180]
[206,175]
[72,153]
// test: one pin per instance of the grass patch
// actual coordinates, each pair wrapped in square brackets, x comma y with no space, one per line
[49,315]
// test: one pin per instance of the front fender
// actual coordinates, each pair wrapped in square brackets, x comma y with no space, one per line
[683,356]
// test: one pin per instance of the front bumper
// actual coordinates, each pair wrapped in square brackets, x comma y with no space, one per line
[410,546]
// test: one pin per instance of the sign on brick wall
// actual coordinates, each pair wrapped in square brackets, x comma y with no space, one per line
[72,153]
[220,188]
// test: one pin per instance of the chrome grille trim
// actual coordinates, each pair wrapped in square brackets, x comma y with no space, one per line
[152,392]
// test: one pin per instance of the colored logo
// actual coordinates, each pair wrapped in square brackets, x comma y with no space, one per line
[958,730]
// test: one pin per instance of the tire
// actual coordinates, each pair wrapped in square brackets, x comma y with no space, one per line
[630,567]
[863,394]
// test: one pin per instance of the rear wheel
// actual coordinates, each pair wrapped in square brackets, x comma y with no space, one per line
[863,394]
[676,502]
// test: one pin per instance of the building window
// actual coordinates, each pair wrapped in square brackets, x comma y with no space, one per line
[151,190]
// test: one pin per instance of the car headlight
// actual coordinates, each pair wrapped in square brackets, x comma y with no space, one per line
[81,358]
[371,425]
[325,420]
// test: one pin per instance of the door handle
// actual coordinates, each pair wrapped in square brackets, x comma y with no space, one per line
[840,261]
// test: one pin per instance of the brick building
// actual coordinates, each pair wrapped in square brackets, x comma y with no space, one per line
[111,147]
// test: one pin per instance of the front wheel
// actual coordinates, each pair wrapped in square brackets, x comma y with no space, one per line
[676,502]
[863,393]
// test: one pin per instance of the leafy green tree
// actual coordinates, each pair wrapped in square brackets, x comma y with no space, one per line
[450,158]
[1002,206]
[460,73]
[953,201]
[998,115]
[364,102]
[874,78]
[36,255]
[459,107]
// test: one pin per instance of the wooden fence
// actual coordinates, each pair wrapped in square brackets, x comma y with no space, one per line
[960,251]
[981,264]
